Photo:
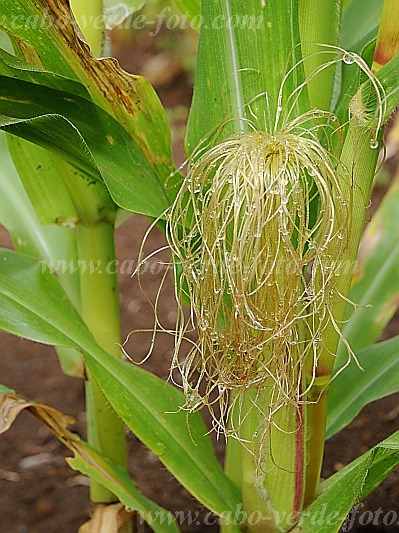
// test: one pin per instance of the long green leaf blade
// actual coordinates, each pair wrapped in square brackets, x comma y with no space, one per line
[343,490]
[355,29]
[160,416]
[190,7]
[34,305]
[354,388]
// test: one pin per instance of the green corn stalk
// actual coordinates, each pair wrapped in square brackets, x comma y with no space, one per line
[67,196]
[99,300]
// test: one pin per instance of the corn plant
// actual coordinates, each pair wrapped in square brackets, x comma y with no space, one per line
[289,108]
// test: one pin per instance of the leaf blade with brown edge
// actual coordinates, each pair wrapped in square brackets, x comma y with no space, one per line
[129,99]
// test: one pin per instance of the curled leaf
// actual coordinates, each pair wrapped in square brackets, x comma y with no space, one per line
[11,405]
[115,13]
[93,464]
[106,519]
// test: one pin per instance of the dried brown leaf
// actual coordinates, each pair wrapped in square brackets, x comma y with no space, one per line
[106,519]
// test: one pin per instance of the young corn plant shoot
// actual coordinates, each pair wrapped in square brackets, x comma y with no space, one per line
[285,129]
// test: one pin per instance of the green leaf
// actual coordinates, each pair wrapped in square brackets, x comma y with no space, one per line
[60,193]
[50,243]
[238,61]
[343,490]
[183,450]
[129,99]
[34,305]
[357,29]
[354,388]
[329,511]
[17,215]
[116,479]
[5,390]
[16,67]
[192,8]
[43,183]
[82,132]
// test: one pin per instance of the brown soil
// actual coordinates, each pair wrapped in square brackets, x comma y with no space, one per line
[40,493]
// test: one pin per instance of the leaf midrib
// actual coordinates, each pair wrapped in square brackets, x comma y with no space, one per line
[237,97]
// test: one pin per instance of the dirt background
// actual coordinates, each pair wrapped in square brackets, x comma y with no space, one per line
[38,491]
